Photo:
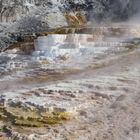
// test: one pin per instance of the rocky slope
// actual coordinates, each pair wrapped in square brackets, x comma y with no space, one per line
[64,76]
[12,10]
[40,15]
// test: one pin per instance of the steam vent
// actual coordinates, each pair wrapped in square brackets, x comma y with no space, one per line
[69,70]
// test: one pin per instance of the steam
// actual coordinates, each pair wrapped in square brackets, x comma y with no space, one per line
[114,10]
[135,19]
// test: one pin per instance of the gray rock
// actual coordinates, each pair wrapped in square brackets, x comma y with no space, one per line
[40,15]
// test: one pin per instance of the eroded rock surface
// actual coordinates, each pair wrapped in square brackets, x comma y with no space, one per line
[72,86]
[36,16]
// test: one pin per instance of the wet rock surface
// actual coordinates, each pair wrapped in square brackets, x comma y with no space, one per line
[65,75]
[72,86]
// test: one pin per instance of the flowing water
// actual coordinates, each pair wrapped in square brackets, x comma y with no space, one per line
[65,51]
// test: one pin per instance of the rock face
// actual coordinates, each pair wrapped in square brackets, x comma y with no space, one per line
[13,10]
[41,15]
